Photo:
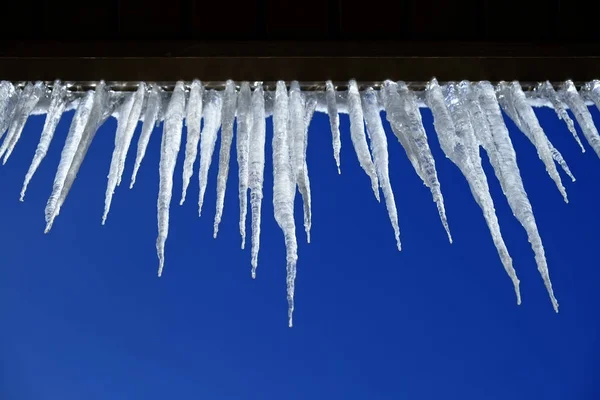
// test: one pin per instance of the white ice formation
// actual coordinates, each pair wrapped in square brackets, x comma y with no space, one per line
[467,116]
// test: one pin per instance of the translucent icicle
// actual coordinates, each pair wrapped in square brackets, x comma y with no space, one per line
[380,156]
[304,180]
[208,138]
[8,101]
[402,111]
[284,189]
[334,122]
[359,139]
[256,165]
[548,92]
[592,91]
[497,144]
[512,99]
[192,121]
[171,141]
[244,126]
[27,102]
[229,106]
[151,118]
[132,123]
[572,99]
[57,106]
[457,140]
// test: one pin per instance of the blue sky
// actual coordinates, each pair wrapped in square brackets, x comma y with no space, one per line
[85,317]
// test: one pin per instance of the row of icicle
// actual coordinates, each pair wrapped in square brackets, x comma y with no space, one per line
[466,115]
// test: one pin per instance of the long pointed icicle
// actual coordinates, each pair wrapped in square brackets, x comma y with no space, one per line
[358,136]
[151,117]
[512,99]
[57,106]
[334,122]
[171,141]
[458,142]
[548,92]
[192,121]
[256,170]
[245,119]
[572,98]
[132,123]
[497,144]
[404,116]
[380,156]
[27,102]
[304,180]
[229,106]
[208,138]
[284,189]
[8,100]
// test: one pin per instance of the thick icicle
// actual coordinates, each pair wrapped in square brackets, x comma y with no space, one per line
[228,115]
[457,140]
[304,180]
[27,102]
[497,144]
[242,144]
[591,91]
[78,124]
[256,165]
[208,138]
[572,98]
[151,118]
[548,92]
[334,122]
[284,188]
[8,101]
[380,156]
[171,141]
[404,116]
[359,139]
[57,106]
[512,99]
[192,121]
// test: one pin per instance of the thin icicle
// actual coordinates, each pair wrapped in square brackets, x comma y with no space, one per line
[284,189]
[208,138]
[457,140]
[256,165]
[304,180]
[512,99]
[548,92]
[80,119]
[132,123]
[57,106]
[334,122]
[192,121]
[556,156]
[402,111]
[380,156]
[151,118]
[496,142]
[229,106]
[359,139]
[245,120]
[27,102]
[171,141]
[572,99]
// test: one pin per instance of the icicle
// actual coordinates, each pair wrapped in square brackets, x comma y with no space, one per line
[512,99]
[208,138]
[229,106]
[548,92]
[256,165]
[284,188]
[380,156]
[171,141]
[27,102]
[359,139]
[57,106]
[497,144]
[132,123]
[570,96]
[244,126]
[192,121]
[403,114]
[151,118]
[592,92]
[457,140]
[304,180]
[8,101]
[334,121]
